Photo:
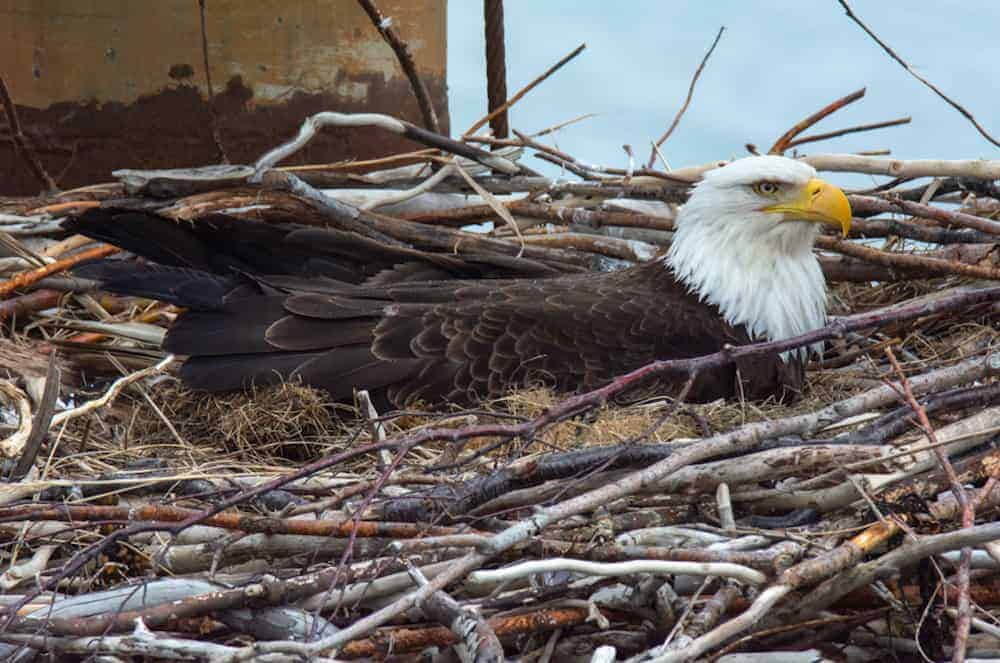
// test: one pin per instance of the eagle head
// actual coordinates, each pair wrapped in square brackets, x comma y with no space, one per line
[744,243]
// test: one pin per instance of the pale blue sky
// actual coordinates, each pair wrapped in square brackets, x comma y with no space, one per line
[777,62]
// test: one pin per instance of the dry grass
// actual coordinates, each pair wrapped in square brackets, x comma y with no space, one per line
[272,429]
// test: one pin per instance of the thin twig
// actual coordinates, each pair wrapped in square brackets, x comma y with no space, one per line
[848,130]
[21,143]
[964,617]
[213,114]
[687,100]
[523,91]
[885,47]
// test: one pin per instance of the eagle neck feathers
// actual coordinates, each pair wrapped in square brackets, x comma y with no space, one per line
[763,277]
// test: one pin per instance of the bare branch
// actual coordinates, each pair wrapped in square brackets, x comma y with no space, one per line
[687,100]
[782,143]
[954,104]
[405,58]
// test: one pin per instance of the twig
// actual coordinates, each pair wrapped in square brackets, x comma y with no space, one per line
[35,300]
[964,617]
[405,58]
[112,392]
[523,91]
[26,279]
[782,143]
[213,113]
[20,142]
[495,204]
[687,100]
[885,47]
[847,130]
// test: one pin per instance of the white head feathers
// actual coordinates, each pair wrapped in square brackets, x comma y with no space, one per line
[759,270]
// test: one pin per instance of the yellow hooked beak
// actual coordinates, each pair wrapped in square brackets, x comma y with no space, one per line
[819,201]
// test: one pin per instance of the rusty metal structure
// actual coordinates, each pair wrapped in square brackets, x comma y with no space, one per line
[124,84]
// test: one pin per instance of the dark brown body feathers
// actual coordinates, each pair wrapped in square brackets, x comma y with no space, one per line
[441,341]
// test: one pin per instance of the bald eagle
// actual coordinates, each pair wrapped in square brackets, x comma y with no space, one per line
[740,268]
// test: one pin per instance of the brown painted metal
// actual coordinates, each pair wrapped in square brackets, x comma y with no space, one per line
[121,83]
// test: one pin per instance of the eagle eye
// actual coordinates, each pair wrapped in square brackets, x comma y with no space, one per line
[766,188]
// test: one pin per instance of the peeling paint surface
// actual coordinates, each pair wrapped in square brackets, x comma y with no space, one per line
[121,83]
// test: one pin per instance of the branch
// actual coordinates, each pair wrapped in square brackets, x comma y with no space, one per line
[20,142]
[213,114]
[954,104]
[490,578]
[405,58]
[29,278]
[314,123]
[979,168]
[848,130]
[523,91]
[964,617]
[687,100]
[870,204]
[782,143]
[906,260]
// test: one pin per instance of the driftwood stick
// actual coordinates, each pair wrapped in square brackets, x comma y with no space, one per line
[397,231]
[978,168]
[881,227]
[314,123]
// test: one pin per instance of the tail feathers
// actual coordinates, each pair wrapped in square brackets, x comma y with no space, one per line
[214,243]
[180,286]
[338,371]
[153,237]
[241,328]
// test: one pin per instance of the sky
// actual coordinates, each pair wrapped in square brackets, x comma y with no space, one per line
[776,63]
